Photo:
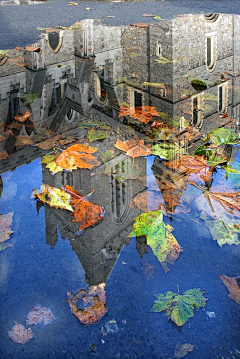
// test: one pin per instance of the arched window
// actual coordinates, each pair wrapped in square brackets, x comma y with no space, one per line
[197,111]
[223,97]
[211,47]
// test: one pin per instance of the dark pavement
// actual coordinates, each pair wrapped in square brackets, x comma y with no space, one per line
[18,23]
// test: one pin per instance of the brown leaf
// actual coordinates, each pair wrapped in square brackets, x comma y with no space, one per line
[232,286]
[143,114]
[33,49]
[19,334]
[48,144]
[5,226]
[22,118]
[85,212]
[23,140]
[134,147]
[40,314]
[3,155]
[93,304]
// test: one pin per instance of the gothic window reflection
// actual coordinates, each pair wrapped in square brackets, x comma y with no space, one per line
[223,97]
[211,52]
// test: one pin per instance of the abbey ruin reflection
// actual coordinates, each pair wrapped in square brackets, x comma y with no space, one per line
[187,68]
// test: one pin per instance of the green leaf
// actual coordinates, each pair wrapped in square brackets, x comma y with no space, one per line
[159,237]
[94,135]
[222,135]
[223,230]
[30,98]
[180,307]
[3,53]
[164,60]
[158,18]
[230,169]
[167,150]
[213,154]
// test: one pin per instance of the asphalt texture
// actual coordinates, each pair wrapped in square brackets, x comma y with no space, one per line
[18,23]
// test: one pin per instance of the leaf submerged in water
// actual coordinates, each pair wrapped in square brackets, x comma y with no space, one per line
[40,314]
[19,334]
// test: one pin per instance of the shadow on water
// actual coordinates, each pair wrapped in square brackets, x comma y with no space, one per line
[146,98]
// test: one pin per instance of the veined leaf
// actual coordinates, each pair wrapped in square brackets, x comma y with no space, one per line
[222,135]
[94,135]
[167,150]
[233,287]
[54,197]
[180,307]
[159,237]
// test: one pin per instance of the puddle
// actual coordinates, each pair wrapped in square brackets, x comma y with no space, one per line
[141,103]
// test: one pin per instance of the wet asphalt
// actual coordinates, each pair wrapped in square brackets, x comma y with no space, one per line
[18,23]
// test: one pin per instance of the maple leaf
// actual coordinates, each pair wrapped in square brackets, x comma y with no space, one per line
[216,204]
[159,237]
[223,230]
[222,135]
[167,150]
[233,287]
[143,114]
[85,212]
[5,226]
[77,155]
[194,167]
[22,118]
[50,143]
[54,197]
[39,314]
[19,334]
[134,147]
[93,304]
[180,307]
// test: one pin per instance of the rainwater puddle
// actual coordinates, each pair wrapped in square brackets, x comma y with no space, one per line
[142,131]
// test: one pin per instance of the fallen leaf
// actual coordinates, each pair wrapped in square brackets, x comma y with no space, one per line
[48,144]
[182,350]
[88,8]
[93,304]
[85,212]
[167,150]
[159,237]
[72,3]
[143,114]
[233,287]
[54,197]
[134,147]
[107,156]
[49,160]
[148,15]
[94,135]
[19,334]
[222,135]
[3,155]
[223,230]
[179,307]
[39,314]
[77,155]
[33,49]
[5,226]
[22,118]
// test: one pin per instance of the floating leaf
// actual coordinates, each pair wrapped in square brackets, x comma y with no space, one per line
[33,49]
[158,18]
[143,114]
[40,314]
[179,307]
[22,118]
[30,98]
[222,135]
[223,230]
[5,226]
[134,147]
[77,155]
[159,237]
[94,135]
[85,212]
[233,287]
[19,334]
[93,304]
[49,160]
[167,150]
[182,350]
[54,197]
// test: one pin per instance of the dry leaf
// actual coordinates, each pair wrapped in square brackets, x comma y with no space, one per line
[40,314]
[143,114]
[134,147]
[33,49]
[19,334]
[232,286]
[93,304]
[22,118]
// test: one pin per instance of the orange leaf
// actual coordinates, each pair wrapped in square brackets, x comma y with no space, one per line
[77,155]
[232,286]
[22,118]
[143,114]
[33,49]
[134,147]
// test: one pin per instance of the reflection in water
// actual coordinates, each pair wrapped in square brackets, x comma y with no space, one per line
[172,83]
